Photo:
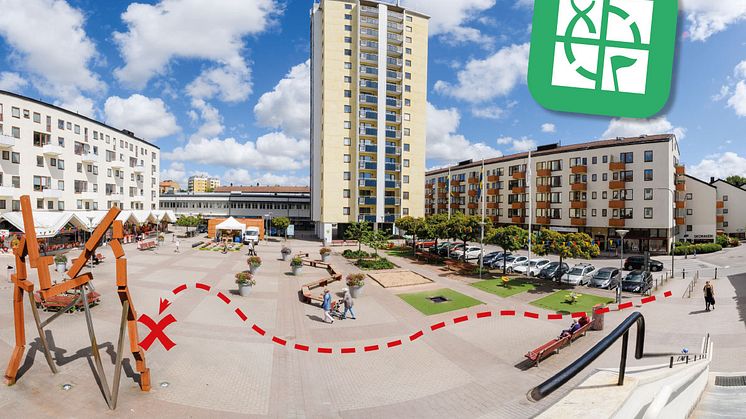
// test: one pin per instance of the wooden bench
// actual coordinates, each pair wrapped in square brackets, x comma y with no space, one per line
[99,258]
[146,245]
[308,296]
[553,346]
[343,243]
[58,302]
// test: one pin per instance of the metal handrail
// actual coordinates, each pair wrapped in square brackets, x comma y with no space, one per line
[558,380]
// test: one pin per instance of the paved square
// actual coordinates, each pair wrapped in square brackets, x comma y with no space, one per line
[399,278]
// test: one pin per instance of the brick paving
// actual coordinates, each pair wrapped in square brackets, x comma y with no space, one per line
[221,367]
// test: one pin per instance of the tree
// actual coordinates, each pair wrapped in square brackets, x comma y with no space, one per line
[466,228]
[189,221]
[572,245]
[736,180]
[376,239]
[418,228]
[438,226]
[281,223]
[357,231]
[510,238]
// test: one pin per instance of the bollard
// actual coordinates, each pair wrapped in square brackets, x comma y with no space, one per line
[670,364]
[683,273]
[716,273]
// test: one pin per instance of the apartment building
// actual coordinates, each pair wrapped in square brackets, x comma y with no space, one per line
[66,161]
[731,208]
[200,184]
[168,186]
[368,113]
[636,184]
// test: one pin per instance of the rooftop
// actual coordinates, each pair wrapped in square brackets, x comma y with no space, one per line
[264,189]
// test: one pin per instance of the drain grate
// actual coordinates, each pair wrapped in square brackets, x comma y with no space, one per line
[735,381]
[438,299]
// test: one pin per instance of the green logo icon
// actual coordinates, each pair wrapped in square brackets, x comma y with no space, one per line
[603,57]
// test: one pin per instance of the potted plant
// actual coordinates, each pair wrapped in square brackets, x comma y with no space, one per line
[245,281]
[325,252]
[296,264]
[61,263]
[355,282]
[14,242]
[285,252]
[254,263]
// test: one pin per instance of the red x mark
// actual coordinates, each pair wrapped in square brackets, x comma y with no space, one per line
[157,331]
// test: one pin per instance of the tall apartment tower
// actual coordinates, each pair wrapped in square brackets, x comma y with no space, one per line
[368,113]
[201,184]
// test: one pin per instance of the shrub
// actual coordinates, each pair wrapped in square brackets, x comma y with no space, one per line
[722,240]
[355,280]
[286,251]
[60,259]
[325,251]
[734,242]
[254,261]
[245,278]
[700,248]
[296,261]
[355,254]
[375,264]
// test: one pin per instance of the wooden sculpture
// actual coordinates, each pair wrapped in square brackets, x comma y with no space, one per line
[80,283]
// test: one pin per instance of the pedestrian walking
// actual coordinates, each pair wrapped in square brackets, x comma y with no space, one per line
[327,306]
[709,291]
[251,248]
[177,246]
[348,302]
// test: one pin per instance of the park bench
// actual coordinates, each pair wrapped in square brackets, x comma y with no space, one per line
[99,258]
[457,265]
[58,302]
[146,245]
[308,296]
[343,243]
[553,346]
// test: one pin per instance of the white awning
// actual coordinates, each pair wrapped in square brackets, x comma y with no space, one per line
[231,224]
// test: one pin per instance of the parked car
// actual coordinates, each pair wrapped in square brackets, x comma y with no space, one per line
[532,267]
[449,248]
[608,278]
[490,257]
[202,228]
[424,244]
[580,274]
[638,263]
[498,261]
[439,247]
[637,281]
[513,261]
[553,271]
[471,252]
[251,235]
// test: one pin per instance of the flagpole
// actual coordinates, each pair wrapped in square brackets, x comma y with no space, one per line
[530,213]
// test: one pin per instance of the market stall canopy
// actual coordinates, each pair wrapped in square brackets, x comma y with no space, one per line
[231,224]
[47,224]
[164,215]
[90,218]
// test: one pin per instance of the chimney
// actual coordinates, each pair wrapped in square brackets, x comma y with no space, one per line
[712,179]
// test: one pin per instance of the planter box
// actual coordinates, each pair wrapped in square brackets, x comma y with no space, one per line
[297,270]
[253,269]
[355,292]
[244,290]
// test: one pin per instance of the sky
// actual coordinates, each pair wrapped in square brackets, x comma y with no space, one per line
[222,86]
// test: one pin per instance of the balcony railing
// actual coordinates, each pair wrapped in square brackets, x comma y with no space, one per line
[369,84]
[393,75]
[368,21]
[372,132]
[367,183]
[395,27]
[369,58]
[392,117]
[6,141]
[367,200]
[365,98]
[369,33]
[368,45]
[393,167]
[393,134]
[393,37]
[393,49]
[395,16]
[368,165]
[393,103]
[368,71]
[391,201]
[393,88]
[395,62]
[368,148]
[371,115]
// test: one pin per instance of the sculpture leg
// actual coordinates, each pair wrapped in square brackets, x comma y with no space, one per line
[94,347]
[120,353]
[42,338]
[20,347]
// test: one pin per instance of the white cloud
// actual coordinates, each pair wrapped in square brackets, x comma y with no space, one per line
[212,122]
[708,17]
[636,127]
[12,82]
[144,116]
[497,75]
[287,106]
[738,100]
[449,18]
[273,151]
[229,82]
[719,166]
[176,172]
[550,128]
[488,112]
[244,177]
[443,144]
[79,104]
[517,145]
[48,40]
[173,29]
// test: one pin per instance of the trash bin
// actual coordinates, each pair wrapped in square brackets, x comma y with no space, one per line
[597,318]
[11,270]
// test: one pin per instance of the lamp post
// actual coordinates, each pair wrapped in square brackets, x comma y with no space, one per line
[90,232]
[621,233]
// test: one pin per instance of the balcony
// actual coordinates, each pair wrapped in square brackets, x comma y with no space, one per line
[368,148]
[6,141]
[367,183]
[680,169]
[368,115]
[519,175]
[371,99]
[680,204]
[392,184]
[367,218]
[543,205]
[368,45]
[394,50]
[617,204]
[518,189]
[543,220]
[617,222]
[442,185]
[543,188]
[89,158]
[395,27]
[116,164]
[493,178]
[368,131]
[368,58]
[367,200]
[393,89]
[472,180]
[578,204]
[442,206]
[455,182]
[493,191]
[493,205]
[579,170]
[473,205]
[369,33]
[52,150]
[86,196]
[369,10]
[719,204]
[455,206]
[366,71]
[10,192]
[393,151]
[367,165]
[368,21]
[518,220]
[543,172]
[395,134]
[518,205]
[395,38]
[391,202]
[395,16]
[393,167]
[578,222]
[472,192]
[616,166]
[681,187]
[680,221]
[369,85]
[139,168]
[617,184]
[579,187]
[394,62]
[393,103]
[50,193]
[393,75]
[720,219]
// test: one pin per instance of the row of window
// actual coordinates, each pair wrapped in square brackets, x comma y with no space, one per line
[236,205]
[60,205]
[556,197]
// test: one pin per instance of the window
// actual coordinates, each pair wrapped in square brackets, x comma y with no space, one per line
[648,213]
[593,177]
[16,205]
[80,167]
[688,228]
[604,195]
[346,176]
[347,125]
[405,178]
[604,213]
[725,223]
[15,132]
[408,63]
[348,66]
[348,27]
[408,50]
[626,157]
[409,18]
[648,156]
[405,162]
[348,93]
[348,52]
[15,112]
[347,141]
[60,205]
[604,177]
[648,174]
[345,193]
[348,39]
[347,158]
[39,161]
[348,7]
[593,212]
[37,118]
[594,160]
[409,40]
[406,132]
[725,210]
[348,109]
[407,88]
[408,76]
[593,195]
[689,211]
[348,17]
[348,79]
[406,146]
[648,194]
[40,203]
[6,155]
[407,117]
[15,158]
[405,195]
[725,197]
[407,102]
[60,124]
[409,28]
[346,211]
[605,159]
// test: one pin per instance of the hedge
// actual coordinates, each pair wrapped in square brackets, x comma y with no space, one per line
[354,254]
[701,248]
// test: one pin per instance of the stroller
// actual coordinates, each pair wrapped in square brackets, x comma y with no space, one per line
[338,309]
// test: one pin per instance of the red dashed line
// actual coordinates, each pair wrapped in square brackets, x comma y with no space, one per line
[415,336]
[241,315]
[578,315]
[438,326]
[324,350]
[371,348]
[648,299]
[628,304]
[348,350]
[554,316]
[458,320]
[300,347]
[484,314]
[258,329]
[202,286]
[603,310]
[507,312]
[279,341]
[667,294]
[531,315]
[393,343]
[224,298]
[179,289]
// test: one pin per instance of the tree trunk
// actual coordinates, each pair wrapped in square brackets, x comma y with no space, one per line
[505,260]
[414,246]
[559,280]
[464,250]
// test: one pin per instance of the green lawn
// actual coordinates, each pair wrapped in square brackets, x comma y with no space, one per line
[420,301]
[401,252]
[556,302]
[495,286]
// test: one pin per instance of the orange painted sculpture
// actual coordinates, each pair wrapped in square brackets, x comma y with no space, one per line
[79,283]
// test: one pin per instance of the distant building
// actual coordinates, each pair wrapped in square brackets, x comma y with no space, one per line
[169,186]
[203,184]
[731,208]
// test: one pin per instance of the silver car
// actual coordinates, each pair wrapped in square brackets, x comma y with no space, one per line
[608,278]
[579,275]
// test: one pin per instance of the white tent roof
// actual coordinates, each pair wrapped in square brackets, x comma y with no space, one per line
[231,224]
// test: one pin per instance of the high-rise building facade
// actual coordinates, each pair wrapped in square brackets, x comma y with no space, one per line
[202,184]
[368,113]
[66,161]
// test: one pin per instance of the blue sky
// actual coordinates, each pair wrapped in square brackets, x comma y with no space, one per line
[221,86]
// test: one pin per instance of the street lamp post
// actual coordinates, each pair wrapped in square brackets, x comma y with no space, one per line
[621,233]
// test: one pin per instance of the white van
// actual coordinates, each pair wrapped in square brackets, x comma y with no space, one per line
[251,235]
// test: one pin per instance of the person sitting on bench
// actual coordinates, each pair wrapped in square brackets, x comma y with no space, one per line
[568,332]
[583,321]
